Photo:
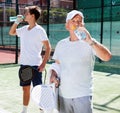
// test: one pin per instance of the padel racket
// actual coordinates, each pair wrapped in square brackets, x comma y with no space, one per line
[44,96]
[26,73]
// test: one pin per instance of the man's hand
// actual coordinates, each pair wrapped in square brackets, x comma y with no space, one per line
[54,78]
[19,19]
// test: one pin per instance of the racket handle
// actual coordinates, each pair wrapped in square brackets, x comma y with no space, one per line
[53,87]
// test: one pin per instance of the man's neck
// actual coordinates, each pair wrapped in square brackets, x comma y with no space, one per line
[32,25]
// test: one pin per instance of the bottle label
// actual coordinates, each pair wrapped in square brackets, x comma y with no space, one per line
[14,18]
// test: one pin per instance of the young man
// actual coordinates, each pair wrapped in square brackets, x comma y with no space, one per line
[75,57]
[32,39]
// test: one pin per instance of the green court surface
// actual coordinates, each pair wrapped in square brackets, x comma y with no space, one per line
[106,92]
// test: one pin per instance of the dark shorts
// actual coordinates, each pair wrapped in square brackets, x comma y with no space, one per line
[37,80]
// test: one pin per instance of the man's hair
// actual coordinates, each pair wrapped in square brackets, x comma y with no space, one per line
[34,10]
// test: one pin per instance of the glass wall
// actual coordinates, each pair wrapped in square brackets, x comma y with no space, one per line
[102,18]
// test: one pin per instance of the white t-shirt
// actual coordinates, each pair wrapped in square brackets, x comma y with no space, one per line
[31,44]
[76,63]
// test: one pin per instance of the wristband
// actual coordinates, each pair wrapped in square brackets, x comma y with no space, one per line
[16,22]
[57,78]
[93,42]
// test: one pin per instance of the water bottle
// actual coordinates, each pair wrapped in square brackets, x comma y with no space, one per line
[14,18]
[80,34]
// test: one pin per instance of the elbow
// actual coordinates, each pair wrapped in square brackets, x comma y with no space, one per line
[108,57]
[105,57]
[10,33]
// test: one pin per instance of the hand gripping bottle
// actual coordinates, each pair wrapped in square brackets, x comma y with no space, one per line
[80,34]
[19,18]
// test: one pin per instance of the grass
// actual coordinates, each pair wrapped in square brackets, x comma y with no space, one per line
[106,92]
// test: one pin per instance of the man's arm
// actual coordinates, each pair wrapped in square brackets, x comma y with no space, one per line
[14,26]
[54,78]
[55,73]
[46,56]
[101,51]
[12,30]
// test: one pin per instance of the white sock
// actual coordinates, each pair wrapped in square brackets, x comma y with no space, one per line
[24,109]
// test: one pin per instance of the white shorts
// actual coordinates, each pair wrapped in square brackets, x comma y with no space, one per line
[76,105]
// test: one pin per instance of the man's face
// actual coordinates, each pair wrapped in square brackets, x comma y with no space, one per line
[74,23]
[77,20]
[27,15]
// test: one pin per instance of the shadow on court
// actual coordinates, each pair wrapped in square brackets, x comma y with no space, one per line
[106,92]
[106,107]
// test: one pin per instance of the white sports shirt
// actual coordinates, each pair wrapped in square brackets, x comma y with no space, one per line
[76,63]
[31,44]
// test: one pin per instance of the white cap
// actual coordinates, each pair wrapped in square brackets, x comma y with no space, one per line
[71,14]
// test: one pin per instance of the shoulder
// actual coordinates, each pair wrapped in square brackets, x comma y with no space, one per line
[39,27]
[23,27]
[62,42]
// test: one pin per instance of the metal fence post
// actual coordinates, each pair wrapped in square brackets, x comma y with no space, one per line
[48,14]
[16,53]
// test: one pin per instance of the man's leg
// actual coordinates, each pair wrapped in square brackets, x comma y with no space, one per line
[65,105]
[76,105]
[26,98]
[82,104]
[26,95]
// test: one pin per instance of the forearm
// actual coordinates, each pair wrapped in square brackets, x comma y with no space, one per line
[47,55]
[13,29]
[14,26]
[101,51]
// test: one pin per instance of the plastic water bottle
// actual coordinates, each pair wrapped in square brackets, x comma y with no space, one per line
[14,18]
[80,34]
